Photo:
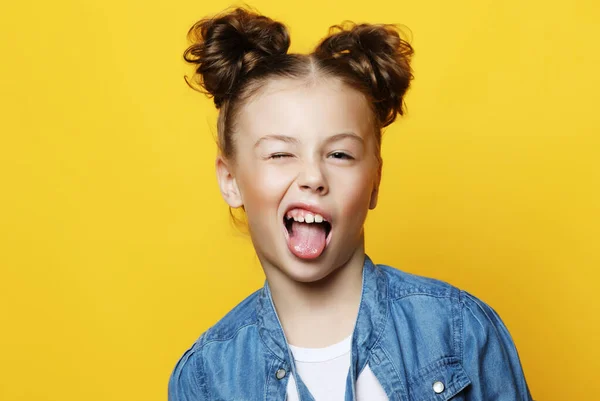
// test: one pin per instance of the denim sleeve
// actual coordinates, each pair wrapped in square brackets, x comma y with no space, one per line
[489,355]
[184,383]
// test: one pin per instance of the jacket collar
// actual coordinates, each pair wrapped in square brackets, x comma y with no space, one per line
[370,322]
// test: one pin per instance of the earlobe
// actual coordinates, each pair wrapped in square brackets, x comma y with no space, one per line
[374,196]
[227,183]
[375,192]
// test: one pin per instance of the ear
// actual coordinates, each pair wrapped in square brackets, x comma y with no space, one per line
[227,183]
[375,192]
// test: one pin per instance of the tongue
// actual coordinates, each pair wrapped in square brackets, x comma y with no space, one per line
[307,241]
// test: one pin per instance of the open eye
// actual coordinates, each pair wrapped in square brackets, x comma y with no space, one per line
[340,155]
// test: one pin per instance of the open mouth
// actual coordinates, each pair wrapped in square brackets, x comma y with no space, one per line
[308,233]
[325,225]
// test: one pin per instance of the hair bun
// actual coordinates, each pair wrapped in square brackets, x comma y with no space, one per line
[379,56]
[228,47]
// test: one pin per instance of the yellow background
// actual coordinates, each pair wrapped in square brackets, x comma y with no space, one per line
[116,250]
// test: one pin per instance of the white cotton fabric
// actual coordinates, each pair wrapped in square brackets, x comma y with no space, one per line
[324,371]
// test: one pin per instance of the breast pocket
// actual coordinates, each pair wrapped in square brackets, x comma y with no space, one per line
[443,380]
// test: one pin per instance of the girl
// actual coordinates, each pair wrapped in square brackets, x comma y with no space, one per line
[299,150]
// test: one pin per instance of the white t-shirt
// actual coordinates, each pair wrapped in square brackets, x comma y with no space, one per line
[324,371]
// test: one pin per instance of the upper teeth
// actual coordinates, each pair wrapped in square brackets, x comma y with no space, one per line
[307,218]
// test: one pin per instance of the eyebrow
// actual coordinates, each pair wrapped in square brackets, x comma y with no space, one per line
[291,139]
[346,135]
[283,138]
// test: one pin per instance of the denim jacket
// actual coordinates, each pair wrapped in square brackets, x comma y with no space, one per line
[424,340]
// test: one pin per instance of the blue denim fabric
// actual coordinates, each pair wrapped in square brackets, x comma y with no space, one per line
[412,331]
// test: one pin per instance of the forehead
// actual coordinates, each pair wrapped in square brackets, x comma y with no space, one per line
[302,108]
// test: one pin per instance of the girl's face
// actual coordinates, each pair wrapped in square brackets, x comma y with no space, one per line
[306,171]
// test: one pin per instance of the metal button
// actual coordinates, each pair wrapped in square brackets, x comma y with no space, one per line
[280,374]
[438,387]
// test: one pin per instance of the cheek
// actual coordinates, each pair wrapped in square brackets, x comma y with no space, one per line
[263,185]
[354,194]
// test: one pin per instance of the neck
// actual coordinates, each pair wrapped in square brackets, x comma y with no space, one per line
[321,313]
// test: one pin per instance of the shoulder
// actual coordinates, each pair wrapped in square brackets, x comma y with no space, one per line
[240,317]
[438,319]
[187,380]
[402,284]
[404,287]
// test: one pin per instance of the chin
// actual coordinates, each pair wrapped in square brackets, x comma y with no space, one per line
[304,272]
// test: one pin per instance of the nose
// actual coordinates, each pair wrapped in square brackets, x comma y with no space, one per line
[312,178]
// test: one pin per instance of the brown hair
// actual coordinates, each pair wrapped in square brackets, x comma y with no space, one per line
[237,52]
